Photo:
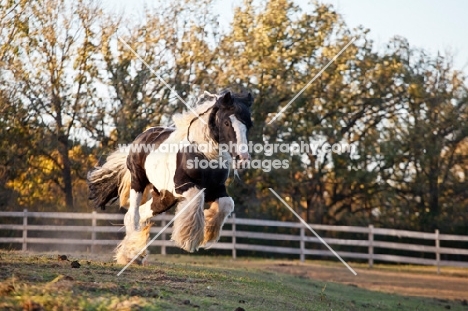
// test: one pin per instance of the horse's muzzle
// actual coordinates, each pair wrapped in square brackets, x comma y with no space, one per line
[244,156]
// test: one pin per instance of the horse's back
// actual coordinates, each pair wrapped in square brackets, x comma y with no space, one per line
[154,136]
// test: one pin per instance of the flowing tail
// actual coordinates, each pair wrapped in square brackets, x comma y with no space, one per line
[110,181]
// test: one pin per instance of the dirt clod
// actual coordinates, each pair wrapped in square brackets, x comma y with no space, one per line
[135,292]
[62,258]
[75,264]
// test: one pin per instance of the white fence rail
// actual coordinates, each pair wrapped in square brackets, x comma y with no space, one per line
[370,249]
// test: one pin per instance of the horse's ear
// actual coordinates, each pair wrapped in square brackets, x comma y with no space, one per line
[226,99]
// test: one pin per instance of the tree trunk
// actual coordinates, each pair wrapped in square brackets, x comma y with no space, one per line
[66,171]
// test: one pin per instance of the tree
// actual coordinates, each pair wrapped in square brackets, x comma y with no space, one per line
[13,116]
[172,41]
[275,50]
[427,170]
[54,75]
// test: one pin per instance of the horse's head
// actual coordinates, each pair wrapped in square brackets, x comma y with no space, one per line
[230,122]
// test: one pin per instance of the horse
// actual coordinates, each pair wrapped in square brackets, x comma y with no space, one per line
[157,172]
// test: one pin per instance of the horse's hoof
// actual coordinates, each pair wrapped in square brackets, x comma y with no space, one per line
[139,260]
[131,246]
[190,245]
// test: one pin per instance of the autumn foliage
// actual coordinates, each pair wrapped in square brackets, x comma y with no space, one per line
[70,91]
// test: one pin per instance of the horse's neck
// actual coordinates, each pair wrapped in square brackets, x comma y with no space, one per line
[195,130]
[199,133]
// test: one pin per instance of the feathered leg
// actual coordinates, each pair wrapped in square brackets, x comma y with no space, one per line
[131,245]
[215,217]
[188,229]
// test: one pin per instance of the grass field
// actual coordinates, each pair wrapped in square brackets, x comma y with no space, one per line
[32,281]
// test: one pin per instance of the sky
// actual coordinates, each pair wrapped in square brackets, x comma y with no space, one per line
[433,25]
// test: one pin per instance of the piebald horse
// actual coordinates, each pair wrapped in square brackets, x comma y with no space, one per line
[159,170]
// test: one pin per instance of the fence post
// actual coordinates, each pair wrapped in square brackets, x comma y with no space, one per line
[163,237]
[25,230]
[371,246]
[93,233]
[234,252]
[437,245]
[302,244]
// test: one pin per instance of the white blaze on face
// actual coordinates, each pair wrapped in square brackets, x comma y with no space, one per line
[241,136]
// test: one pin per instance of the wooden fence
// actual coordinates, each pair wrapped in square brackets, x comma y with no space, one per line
[374,244]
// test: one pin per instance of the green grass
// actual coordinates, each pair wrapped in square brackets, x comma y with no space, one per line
[180,283]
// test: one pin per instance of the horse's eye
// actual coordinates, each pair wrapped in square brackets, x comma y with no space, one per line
[226,123]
